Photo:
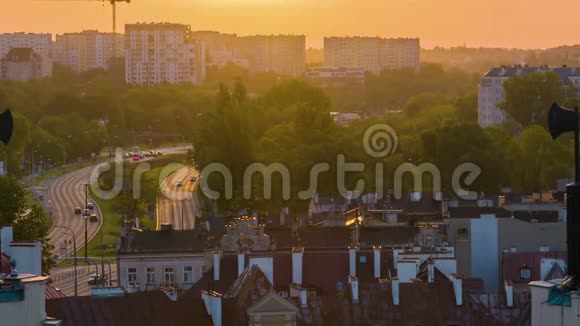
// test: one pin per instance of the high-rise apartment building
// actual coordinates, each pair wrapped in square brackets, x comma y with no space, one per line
[219,47]
[88,50]
[282,54]
[158,53]
[21,64]
[41,44]
[372,53]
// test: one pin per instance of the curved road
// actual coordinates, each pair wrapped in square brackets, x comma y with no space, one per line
[66,192]
[182,206]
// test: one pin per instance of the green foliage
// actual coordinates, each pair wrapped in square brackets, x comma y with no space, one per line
[34,226]
[528,97]
[12,200]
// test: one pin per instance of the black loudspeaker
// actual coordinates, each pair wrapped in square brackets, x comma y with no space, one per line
[562,120]
[6,126]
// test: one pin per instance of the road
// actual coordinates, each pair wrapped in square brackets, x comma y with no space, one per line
[181,209]
[63,277]
[61,195]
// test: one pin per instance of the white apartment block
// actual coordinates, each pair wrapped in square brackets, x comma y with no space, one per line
[282,54]
[40,43]
[159,53]
[491,92]
[375,54]
[88,50]
[219,47]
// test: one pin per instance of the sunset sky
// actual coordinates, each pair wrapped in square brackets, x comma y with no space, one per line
[490,23]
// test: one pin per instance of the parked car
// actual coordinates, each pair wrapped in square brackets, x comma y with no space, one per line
[90,206]
[158,154]
[78,211]
[86,212]
[126,155]
[93,218]
[97,279]
[147,154]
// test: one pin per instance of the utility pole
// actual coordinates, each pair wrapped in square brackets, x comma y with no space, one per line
[86,217]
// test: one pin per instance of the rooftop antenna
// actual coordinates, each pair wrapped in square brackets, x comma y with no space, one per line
[560,121]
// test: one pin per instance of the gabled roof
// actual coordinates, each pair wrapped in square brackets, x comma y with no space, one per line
[171,241]
[272,302]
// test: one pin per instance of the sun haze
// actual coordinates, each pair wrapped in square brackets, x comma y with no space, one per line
[490,23]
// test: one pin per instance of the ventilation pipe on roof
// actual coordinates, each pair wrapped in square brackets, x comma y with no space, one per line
[509,293]
[241,262]
[430,270]
[457,281]
[352,260]
[395,288]
[297,261]
[353,281]
[216,264]
[377,261]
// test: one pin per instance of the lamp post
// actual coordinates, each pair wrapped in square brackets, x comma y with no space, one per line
[74,253]
[86,215]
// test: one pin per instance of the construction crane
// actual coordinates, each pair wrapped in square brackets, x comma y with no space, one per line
[114,5]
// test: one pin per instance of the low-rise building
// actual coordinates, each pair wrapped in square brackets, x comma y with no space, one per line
[491,93]
[41,44]
[152,260]
[336,77]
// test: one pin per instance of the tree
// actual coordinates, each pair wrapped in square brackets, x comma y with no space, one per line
[34,226]
[12,200]
[528,97]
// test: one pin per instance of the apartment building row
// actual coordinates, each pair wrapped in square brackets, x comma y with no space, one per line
[374,54]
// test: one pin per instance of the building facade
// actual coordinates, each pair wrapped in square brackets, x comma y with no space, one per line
[282,54]
[160,53]
[88,50]
[21,64]
[336,77]
[373,53]
[219,47]
[491,92]
[41,44]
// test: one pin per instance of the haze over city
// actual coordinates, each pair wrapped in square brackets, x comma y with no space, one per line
[491,23]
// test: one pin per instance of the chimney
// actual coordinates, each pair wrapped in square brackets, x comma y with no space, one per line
[216,264]
[353,281]
[406,270]
[213,305]
[297,260]
[430,270]
[28,255]
[241,262]
[377,261]
[395,288]
[509,293]
[457,281]
[297,291]
[5,239]
[352,260]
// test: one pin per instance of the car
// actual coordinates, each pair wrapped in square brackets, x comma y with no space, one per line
[126,155]
[179,183]
[93,218]
[147,154]
[90,206]
[192,178]
[86,212]
[78,211]
[158,153]
[97,279]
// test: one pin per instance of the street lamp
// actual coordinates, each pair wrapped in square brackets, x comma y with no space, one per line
[74,252]
[86,215]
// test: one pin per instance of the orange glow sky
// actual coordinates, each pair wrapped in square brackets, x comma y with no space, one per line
[490,23]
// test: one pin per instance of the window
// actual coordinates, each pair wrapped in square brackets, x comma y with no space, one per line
[150,275]
[188,274]
[169,276]
[132,275]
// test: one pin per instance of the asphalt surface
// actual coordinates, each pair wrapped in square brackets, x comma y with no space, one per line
[178,205]
[63,277]
[61,195]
